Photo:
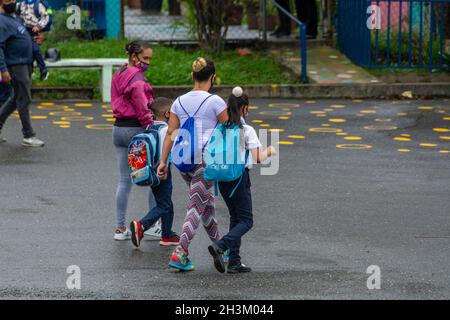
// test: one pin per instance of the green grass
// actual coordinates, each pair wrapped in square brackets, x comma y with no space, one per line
[169,67]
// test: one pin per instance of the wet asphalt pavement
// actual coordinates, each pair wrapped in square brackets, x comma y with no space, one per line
[360,183]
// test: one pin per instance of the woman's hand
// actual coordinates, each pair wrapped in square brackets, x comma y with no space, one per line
[162,171]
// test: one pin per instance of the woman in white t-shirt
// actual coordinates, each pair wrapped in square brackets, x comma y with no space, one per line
[208,110]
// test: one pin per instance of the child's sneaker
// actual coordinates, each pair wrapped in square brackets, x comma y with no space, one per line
[122,235]
[241,268]
[172,241]
[180,261]
[155,231]
[137,233]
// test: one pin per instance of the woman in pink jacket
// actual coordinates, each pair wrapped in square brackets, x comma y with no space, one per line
[131,96]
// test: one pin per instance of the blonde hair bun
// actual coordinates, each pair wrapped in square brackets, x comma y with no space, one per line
[199,64]
[238,92]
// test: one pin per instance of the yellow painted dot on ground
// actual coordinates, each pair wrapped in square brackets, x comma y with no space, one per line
[111,119]
[311,101]
[276,130]
[383,120]
[321,115]
[65,126]
[276,113]
[283,118]
[326,125]
[99,126]
[341,133]
[39,117]
[402,114]
[328,110]
[337,120]
[441,130]
[64,113]
[444,151]
[355,146]
[265,125]
[257,121]
[404,150]
[253,107]
[368,111]
[106,106]
[353,138]
[61,122]
[444,137]
[296,137]
[446,118]
[380,127]
[425,108]
[68,109]
[107,116]
[406,135]
[357,100]
[317,112]
[83,105]
[285,142]
[51,108]
[47,104]
[77,118]
[428,145]
[402,139]
[325,130]
[284,105]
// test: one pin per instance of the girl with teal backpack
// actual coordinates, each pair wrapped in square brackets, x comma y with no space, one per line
[234,180]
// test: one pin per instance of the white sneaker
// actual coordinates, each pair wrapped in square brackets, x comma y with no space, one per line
[122,236]
[2,140]
[32,142]
[154,233]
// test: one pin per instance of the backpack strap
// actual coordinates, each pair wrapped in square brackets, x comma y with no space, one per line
[201,105]
[181,105]
[247,154]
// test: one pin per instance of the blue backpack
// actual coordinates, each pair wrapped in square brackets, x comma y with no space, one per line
[143,156]
[184,151]
[223,158]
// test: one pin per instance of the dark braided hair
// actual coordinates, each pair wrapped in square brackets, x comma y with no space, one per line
[136,47]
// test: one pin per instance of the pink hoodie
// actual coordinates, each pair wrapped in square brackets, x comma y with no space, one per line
[131,99]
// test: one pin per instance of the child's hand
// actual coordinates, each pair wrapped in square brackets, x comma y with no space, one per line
[36,29]
[162,171]
[271,151]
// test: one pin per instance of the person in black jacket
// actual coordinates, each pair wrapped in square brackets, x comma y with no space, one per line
[16,58]
[284,27]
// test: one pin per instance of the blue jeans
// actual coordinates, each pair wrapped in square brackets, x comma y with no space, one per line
[241,216]
[37,53]
[121,138]
[163,209]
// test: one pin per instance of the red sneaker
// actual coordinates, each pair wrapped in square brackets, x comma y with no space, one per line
[173,241]
[137,233]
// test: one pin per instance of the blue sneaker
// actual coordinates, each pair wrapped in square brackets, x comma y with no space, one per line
[180,261]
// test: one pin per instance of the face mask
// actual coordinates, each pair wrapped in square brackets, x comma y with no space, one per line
[9,8]
[142,65]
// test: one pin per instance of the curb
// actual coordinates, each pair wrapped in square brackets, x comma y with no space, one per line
[298,91]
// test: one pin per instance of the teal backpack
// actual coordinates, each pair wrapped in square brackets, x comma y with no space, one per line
[223,156]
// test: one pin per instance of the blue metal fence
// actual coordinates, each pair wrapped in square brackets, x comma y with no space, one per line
[401,34]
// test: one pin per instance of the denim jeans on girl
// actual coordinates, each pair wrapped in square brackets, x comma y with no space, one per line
[241,216]
[121,138]
[163,208]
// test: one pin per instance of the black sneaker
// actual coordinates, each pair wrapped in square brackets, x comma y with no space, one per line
[217,254]
[239,269]
[44,75]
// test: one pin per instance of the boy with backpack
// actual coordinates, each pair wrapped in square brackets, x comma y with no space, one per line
[229,168]
[37,17]
[162,189]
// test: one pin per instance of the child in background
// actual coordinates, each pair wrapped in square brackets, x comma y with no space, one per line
[162,192]
[35,24]
[240,204]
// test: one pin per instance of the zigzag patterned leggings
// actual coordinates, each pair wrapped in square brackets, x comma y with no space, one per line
[200,207]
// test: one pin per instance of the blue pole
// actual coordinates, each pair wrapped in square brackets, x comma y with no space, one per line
[303,52]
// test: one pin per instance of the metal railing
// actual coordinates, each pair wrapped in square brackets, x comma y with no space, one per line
[395,34]
[303,47]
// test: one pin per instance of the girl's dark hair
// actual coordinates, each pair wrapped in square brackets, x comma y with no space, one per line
[203,69]
[136,47]
[235,105]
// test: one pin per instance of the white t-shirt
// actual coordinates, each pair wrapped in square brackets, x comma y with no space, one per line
[251,142]
[162,134]
[206,118]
